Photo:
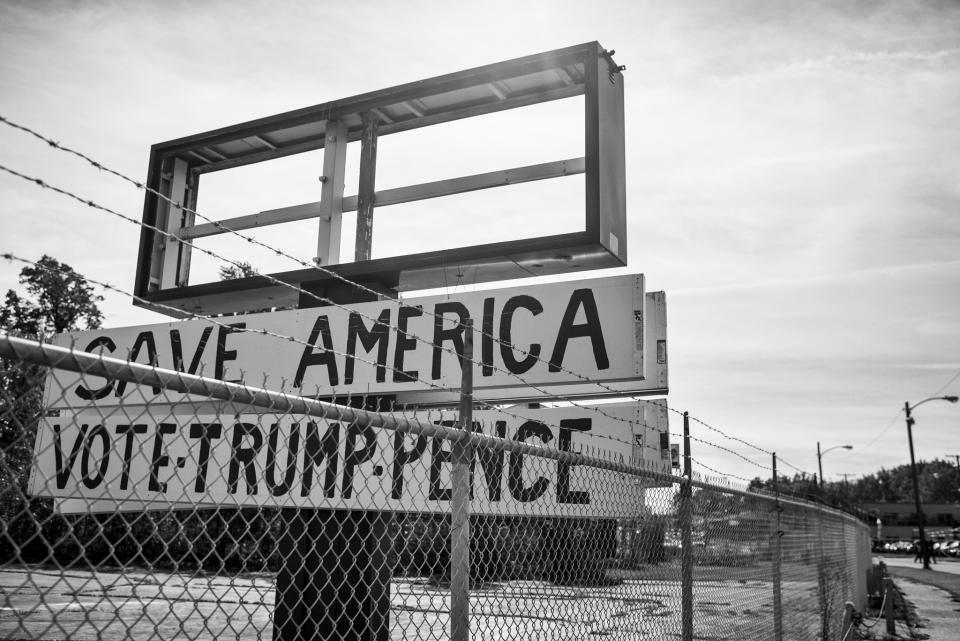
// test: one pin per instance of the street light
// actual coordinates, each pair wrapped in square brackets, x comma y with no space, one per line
[820,456]
[913,471]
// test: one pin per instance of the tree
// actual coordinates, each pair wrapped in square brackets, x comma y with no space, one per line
[54,299]
[242,269]
[60,300]
[939,482]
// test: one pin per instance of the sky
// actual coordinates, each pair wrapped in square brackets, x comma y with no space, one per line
[793,178]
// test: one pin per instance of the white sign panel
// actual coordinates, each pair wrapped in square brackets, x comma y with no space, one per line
[654,381]
[165,461]
[531,338]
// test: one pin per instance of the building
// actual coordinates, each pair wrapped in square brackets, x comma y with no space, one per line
[898,521]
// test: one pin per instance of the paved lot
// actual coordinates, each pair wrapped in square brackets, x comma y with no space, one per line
[48,603]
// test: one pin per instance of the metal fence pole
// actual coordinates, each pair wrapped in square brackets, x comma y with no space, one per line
[686,543]
[462,455]
[822,579]
[777,534]
[888,606]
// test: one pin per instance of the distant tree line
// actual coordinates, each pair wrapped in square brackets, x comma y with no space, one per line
[938,481]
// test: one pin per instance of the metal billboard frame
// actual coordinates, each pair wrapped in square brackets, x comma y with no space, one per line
[175,168]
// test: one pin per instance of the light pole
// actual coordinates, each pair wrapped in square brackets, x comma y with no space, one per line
[913,473]
[821,454]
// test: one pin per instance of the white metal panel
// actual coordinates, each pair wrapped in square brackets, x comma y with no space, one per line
[93,463]
[582,325]
[653,382]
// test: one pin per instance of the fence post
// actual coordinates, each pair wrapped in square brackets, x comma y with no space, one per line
[686,543]
[888,605]
[777,534]
[848,613]
[822,579]
[462,454]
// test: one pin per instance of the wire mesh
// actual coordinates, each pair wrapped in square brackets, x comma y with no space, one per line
[249,513]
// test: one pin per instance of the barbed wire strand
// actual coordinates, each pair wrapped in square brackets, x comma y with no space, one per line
[310,265]
[379,296]
[324,300]
[264,332]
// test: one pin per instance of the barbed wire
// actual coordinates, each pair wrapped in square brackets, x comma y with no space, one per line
[595,408]
[732,438]
[322,299]
[718,472]
[262,331]
[312,265]
[497,340]
[729,451]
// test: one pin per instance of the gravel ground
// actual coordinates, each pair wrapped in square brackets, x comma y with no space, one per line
[39,603]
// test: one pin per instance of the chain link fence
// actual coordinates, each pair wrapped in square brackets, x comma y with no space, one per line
[250,513]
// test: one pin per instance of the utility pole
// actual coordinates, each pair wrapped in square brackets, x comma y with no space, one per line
[913,468]
[954,456]
[820,463]
[916,489]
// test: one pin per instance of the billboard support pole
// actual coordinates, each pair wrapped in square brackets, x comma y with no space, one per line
[686,539]
[333,582]
[462,455]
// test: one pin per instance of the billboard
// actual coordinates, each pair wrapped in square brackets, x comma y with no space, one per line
[531,341]
[131,460]
[585,75]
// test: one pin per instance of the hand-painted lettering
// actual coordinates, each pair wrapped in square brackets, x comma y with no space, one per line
[439,455]
[224,354]
[515,475]
[564,493]
[378,336]
[92,478]
[354,455]
[491,462]
[103,392]
[486,338]
[244,455]
[590,328]
[404,343]
[321,330]
[129,431]
[443,334]
[176,349]
[206,432]
[143,339]
[403,457]
[293,447]
[64,466]
[317,450]
[159,459]
[506,337]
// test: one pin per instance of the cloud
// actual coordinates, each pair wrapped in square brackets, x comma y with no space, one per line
[848,61]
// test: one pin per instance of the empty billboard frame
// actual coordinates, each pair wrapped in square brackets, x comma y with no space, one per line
[171,226]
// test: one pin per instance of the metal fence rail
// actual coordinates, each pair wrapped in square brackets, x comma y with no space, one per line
[250,513]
